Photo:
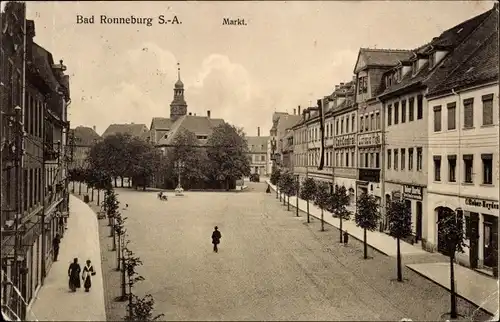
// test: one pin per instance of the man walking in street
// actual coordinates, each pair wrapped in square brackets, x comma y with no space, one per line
[216,236]
[55,246]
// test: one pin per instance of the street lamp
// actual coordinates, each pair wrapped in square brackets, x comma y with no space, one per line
[179,164]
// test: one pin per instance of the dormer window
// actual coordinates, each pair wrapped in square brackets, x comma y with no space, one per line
[414,67]
[400,74]
[432,60]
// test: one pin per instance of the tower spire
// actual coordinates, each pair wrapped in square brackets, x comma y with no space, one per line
[178,71]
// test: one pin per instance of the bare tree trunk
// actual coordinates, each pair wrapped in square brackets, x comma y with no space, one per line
[116,185]
[322,221]
[341,229]
[80,188]
[92,195]
[400,273]
[288,206]
[308,220]
[98,196]
[118,253]
[365,246]
[453,295]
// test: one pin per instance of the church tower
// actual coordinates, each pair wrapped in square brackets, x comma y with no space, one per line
[178,107]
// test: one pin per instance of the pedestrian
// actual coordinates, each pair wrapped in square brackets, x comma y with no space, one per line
[346,238]
[55,246]
[216,236]
[268,190]
[74,275]
[88,272]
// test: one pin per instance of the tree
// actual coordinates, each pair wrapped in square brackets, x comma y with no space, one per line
[130,263]
[288,185]
[399,216]
[275,177]
[367,216]
[142,309]
[144,160]
[227,154]
[119,226]
[111,206]
[338,205]
[281,185]
[322,199]
[97,178]
[452,233]
[307,192]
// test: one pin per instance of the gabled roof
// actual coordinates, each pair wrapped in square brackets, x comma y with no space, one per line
[257,143]
[161,123]
[379,57]
[136,130]
[199,125]
[456,40]
[480,67]
[84,135]
[43,60]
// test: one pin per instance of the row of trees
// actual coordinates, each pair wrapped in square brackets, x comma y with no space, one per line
[216,164]
[138,308]
[367,217]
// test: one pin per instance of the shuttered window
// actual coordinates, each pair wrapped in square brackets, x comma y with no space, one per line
[411,107]
[468,113]
[488,109]
[452,116]
[396,113]
[437,118]
[437,168]
[403,111]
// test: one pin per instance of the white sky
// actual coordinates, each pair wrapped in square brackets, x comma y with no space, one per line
[290,53]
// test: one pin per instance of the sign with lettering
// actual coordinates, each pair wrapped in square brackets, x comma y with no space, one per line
[346,140]
[370,175]
[369,139]
[490,205]
[412,192]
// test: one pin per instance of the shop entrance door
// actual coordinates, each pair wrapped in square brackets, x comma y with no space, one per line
[488,249]
[473,234]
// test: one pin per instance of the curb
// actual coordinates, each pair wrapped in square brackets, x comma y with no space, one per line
[448,289]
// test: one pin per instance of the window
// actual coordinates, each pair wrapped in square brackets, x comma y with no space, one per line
[403,111]
[469,113]
[396,113]
[361,159]
[389,115]
[420,107]
[372,160]
[468,167]
[367,165]
[377,120]
[452,168]
[377,160]
[361,127]
[347,124]
[414,68]
[410,159]
[411,107]
[487,168]
[389,159]
[396,160]
[347,159]
[487,109]
[262,158]
[403,158]
[353,121]
[372,122]
[367,123]
[419,159]
[352,159]
[437,168]
[437,118]
[432,58]
[342,126]
[337,127]
[452,116]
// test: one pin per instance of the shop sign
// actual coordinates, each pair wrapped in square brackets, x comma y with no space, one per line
[490,205]
[346,140]
[370,175]
[412,192]
[369,139]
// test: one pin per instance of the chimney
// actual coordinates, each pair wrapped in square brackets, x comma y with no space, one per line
[258,131]
[93,128]
[194,114]
[337,87]
[294,112]
[341,84]
[208,113]
[189,113]
[298,111]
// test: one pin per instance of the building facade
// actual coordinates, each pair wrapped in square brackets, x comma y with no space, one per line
[258,153]
[463,133]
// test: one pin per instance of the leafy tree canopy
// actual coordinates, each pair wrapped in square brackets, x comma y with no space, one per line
[338,203]
[451,229]
[308,189]
[367,214]
[399,216]
[322,196]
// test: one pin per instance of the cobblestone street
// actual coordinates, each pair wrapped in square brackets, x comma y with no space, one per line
[271,265]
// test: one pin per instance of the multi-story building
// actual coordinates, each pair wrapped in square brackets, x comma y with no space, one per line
[282,125]
[81,140]
[342,127]
[36,185]
[258,153]
[370,67]
[463,151]
[405,117]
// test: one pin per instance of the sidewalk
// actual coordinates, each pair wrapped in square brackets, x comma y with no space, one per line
[55,302]
[472,286]
[475,287]
[379,241]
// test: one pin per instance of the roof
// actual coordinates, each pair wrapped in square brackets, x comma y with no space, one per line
[480,66]
[452,38]
[136,130]
[161,123]
[285,122]
[199,125]
[257,143]
[380,57]
[43,60]
[84,135]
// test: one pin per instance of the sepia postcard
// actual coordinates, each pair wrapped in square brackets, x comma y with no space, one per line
[249,160]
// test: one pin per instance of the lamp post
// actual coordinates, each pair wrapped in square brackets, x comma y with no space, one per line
[297,189]
[179,164]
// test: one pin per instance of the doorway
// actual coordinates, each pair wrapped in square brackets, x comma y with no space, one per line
[472,233]
[489,234]
[418,219]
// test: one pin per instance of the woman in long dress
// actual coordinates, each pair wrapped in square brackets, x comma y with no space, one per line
[74,275]
[88,272]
